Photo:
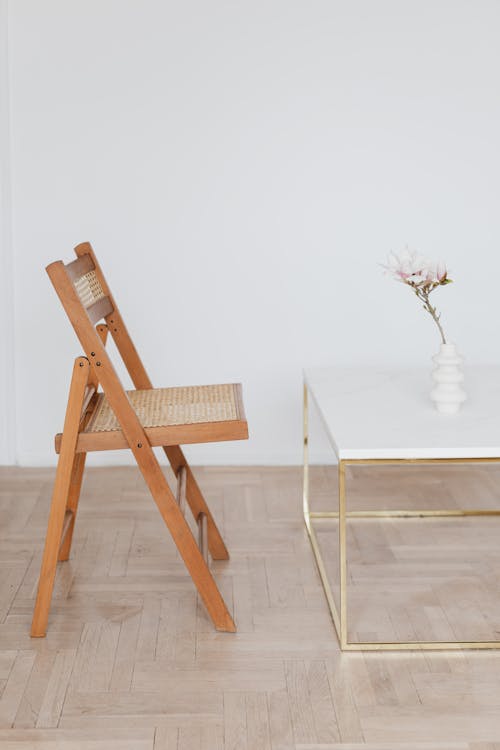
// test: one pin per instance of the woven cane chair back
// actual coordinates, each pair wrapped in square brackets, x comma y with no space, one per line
[90,287]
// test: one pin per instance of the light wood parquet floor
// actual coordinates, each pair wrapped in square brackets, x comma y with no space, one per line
[131,661]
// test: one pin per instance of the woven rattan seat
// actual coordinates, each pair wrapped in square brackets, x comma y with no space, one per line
[137,420]
[159,407]
[170,416]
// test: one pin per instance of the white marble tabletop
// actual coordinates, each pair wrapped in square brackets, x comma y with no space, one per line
[376,412]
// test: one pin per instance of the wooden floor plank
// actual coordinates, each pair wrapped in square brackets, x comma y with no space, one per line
[50,710]
[15,687]
[235,721]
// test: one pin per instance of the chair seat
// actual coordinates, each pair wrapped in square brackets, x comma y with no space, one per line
[170,416]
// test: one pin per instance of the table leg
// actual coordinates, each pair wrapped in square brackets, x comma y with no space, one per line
[342,556]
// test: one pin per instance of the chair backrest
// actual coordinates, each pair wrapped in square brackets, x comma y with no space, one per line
[87,299]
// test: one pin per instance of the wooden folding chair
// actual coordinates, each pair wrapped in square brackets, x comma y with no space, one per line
[138,420]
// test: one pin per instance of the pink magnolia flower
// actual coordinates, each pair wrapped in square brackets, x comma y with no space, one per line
[408,265]
[441,271]
[411,268]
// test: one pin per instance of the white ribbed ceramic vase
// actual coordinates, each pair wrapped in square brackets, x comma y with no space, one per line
[448,394]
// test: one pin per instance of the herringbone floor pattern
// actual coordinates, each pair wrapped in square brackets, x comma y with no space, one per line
[131,661]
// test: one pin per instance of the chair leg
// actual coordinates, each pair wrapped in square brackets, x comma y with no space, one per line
[197,503]
[72,504]
[60,497]
[52,541]
[78,469]
[184,540]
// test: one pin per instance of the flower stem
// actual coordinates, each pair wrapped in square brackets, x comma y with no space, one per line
[423,295]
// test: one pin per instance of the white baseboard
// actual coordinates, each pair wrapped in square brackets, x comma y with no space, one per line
[122,458]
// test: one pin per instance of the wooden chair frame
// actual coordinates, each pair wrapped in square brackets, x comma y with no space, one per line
[96,369]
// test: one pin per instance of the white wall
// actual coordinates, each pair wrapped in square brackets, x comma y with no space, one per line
[259,157]
[7,364]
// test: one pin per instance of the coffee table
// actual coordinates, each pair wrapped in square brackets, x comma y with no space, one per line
[384,416]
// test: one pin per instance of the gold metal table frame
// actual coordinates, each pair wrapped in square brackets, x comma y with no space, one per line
[340,617]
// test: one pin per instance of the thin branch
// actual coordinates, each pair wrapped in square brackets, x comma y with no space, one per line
[423,295]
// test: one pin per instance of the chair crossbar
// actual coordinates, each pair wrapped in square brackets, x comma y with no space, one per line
[99,309]
[203,536]
[80,267]
[68,518]
[181,489]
